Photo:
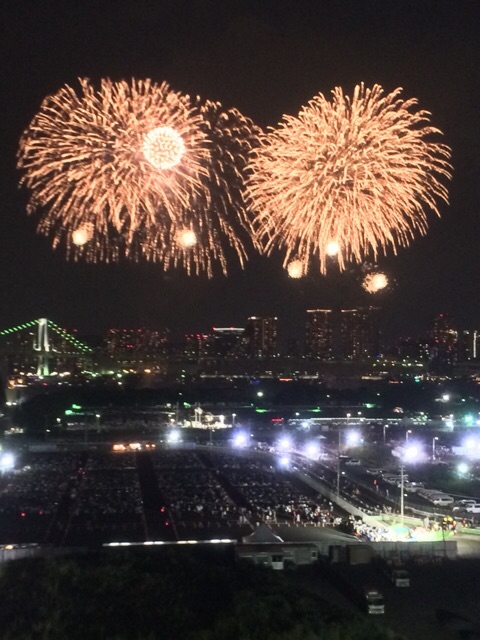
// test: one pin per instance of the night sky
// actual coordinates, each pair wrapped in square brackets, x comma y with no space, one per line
[266,62]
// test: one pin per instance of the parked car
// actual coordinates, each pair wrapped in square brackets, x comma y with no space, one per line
[354,462]
[373,471]
[461,505]
[413,487]
[400,577]
[374,602]
[473,508]
[442,500]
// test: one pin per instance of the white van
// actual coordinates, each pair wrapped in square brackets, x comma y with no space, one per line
[442,500]
[473,508]
[413,487]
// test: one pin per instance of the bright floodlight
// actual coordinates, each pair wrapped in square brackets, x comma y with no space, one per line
[463,468]
[412,453]
[240,439]
[470,443]
[312,451]
[284,462]
[353,438]
[7,461]
[173,437]
[471,447]
[284,444]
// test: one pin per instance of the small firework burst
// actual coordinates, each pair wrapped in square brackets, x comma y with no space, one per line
[375,282]
[295,269]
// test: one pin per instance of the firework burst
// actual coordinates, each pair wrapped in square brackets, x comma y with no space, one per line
[295,269]
[375,282]
[125,157]
[204,236]
[358,172]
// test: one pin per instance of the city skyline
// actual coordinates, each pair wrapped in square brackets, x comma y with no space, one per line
[265,62]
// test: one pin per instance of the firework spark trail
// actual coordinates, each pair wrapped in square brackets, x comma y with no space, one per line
[125,157]
[218,218]
[357,171]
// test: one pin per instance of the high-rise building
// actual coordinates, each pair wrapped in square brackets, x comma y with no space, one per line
[319,334]
[468,346]
[261,337]
[227,342]
[359,334]
[136,348]
[443,345]
[444,333]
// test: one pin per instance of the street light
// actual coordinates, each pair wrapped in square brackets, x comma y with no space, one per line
[234,415]
[434,442]
[409,454]
[407,433]
[385,427]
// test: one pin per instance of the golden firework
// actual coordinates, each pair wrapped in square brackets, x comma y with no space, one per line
[217,227]
[295,269]
[125,157]
[363,169]
[375,282]
[82,235]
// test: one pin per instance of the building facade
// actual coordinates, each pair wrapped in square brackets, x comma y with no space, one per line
[261,337]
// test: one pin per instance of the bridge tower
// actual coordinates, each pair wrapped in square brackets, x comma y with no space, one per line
[42,347]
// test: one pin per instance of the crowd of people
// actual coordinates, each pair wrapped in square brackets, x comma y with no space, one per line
[196,500]
[107,498]
[69,498]
[270,494]
[31,494]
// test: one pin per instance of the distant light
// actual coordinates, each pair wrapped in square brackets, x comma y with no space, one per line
[468,419]
[353,438]
[284,462]
[284,444]
[173,437]
[470,443]
[412,453]
[312,451]
[463,468]
[240,439]
[7,461]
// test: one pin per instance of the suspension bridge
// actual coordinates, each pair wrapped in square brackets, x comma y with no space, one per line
[41,343]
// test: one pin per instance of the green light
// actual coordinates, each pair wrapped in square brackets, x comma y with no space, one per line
[77,407]
[260,410]
[468,419]
[317,410]
[68,412]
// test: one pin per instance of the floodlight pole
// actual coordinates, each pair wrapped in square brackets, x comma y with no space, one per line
[402,485]
[338,458]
